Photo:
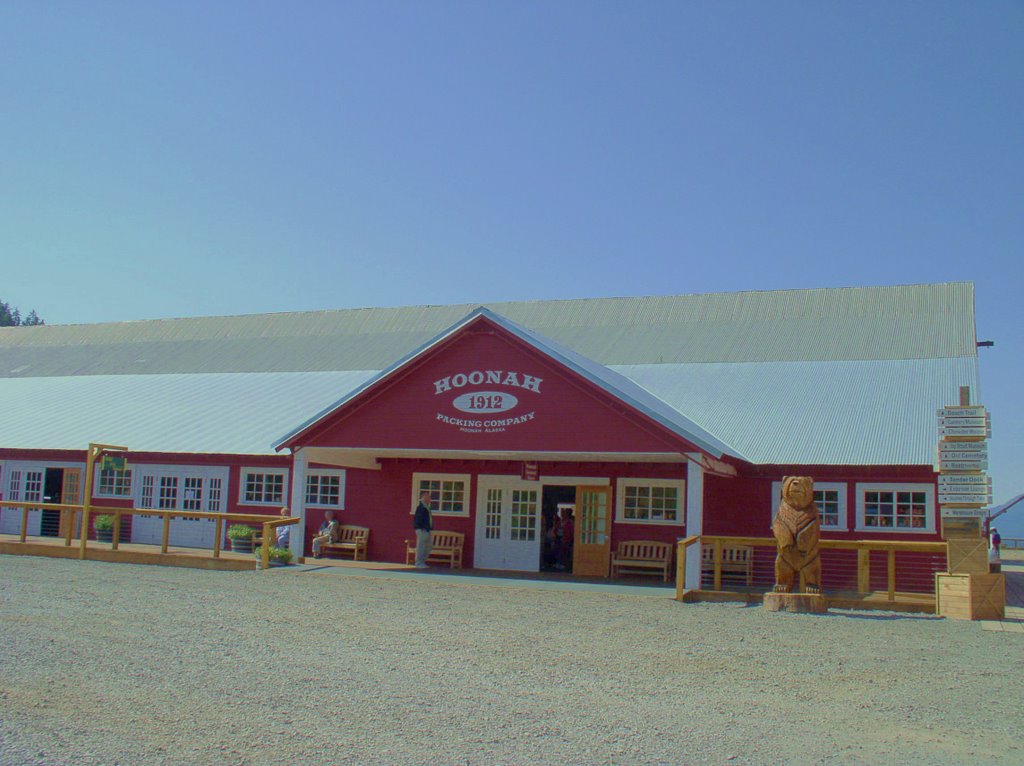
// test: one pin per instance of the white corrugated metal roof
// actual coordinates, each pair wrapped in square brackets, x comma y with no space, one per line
[810,413]
[901,322]
[835,376]
[233,413]
[802,413]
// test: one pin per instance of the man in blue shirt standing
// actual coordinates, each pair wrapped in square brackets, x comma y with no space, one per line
[421,522]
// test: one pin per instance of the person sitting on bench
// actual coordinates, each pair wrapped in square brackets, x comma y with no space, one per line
[284,534]
[328,533]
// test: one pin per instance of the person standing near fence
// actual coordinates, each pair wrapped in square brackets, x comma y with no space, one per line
[421,522]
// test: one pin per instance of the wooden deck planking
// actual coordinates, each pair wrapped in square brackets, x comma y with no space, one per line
[128,553]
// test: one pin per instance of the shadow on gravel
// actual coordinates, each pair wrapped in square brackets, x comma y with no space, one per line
[840,613]
[884,617]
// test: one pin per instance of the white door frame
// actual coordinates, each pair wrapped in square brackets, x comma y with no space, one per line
[503,552]
[11,517]
[183,532]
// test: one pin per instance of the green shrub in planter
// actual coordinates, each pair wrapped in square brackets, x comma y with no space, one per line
[104,526]
[241,532]
[277,555]
[241,536]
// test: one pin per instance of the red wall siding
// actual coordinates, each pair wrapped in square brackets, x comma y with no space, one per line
[566,413]
[383,500]
[744,505]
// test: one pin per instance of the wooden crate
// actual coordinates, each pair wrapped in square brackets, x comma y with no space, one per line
[970,596]
[968,555]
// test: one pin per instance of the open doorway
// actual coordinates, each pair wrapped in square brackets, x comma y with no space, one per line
[53,488]
[557,502]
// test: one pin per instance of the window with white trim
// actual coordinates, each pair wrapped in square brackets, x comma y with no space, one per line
[33,487]
[168,492]
[325,488]
[146,499]
[829,496]
[449,492]
[14,485]
[263,486]
[114,483]
[896,508]
[213,495]
[650,501]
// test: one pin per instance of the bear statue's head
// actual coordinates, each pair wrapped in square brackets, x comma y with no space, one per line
[798,491]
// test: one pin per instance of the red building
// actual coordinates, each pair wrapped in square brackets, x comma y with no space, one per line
[654,418]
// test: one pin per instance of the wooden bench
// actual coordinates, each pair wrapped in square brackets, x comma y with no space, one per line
[641,556]
[351,539]
[447,549]
[737,561]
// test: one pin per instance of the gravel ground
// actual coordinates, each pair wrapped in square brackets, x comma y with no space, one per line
[120,664]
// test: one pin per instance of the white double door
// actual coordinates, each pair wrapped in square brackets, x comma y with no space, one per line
[180,488]
[508,524]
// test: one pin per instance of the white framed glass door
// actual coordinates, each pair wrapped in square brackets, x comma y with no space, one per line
[507,524]
[24,482]
[180,488]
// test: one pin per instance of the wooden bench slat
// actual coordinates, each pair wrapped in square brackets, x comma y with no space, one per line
[447,548]
[643,554]
[736,560]
[351,538]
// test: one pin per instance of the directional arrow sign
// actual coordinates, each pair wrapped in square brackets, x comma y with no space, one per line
[960,490]
[963,465]
[957,422]
[965,431]
[976,456]
[960,479]
[962,512]
[962,447]
[976,499]
[961,412]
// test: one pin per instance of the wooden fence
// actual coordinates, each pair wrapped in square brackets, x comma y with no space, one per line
[68,512]
[854,572]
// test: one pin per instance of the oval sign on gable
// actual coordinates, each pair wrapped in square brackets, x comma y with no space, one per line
[485,401]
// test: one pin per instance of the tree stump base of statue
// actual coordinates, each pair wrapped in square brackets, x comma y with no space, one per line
[802,603]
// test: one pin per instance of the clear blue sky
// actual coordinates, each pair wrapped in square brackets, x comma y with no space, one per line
[192,158]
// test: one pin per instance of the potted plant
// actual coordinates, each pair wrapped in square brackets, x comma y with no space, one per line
[241,536]
[104,526]
[279,557]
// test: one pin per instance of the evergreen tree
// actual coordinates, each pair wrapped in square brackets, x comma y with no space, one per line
[11,317]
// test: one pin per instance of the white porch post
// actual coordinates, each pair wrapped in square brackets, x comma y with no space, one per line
[300,464]
[694,518]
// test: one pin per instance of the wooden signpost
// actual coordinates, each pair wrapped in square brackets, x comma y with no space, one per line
[964,491]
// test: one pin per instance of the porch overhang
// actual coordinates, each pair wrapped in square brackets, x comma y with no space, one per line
[369,459]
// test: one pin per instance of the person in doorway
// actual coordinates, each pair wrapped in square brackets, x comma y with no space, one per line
[552,539]
[421,523]
[284,534]
[568,539]
[328,533]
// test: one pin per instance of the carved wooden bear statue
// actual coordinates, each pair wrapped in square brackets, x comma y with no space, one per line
[796,528]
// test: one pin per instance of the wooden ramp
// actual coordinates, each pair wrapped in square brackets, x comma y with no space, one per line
[127,553]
